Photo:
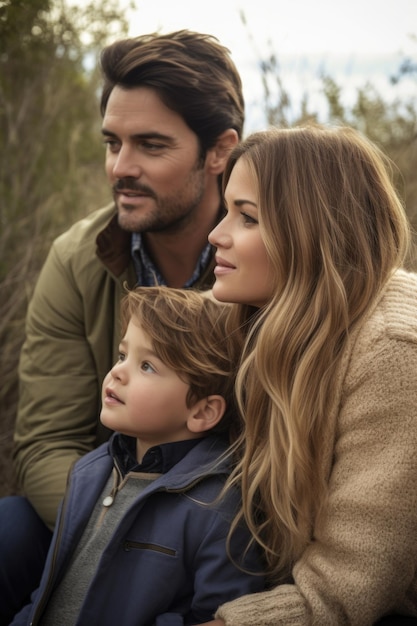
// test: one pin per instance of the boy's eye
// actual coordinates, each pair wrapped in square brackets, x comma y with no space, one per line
[147,367]
[121,357]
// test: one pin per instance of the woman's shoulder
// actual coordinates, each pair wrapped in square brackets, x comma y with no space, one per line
[391,325]
[398,306]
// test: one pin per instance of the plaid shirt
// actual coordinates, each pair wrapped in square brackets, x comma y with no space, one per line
[149,275]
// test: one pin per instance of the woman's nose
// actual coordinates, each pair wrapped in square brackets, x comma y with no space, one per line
[219,236]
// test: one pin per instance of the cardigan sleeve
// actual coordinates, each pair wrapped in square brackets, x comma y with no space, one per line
[361,562]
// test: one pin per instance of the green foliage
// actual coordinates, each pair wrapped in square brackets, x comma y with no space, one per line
[48,112]
[51,162]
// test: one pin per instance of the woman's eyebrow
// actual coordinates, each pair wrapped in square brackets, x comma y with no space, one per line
[242,201]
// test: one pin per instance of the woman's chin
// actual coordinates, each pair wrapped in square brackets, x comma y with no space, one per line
[219,294]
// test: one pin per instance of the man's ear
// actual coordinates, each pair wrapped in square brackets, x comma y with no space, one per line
[217,155]
[206,413]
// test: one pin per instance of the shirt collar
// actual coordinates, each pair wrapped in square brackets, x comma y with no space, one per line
[147,272]
[158,459]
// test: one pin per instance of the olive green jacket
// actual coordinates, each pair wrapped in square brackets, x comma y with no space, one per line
[72,338]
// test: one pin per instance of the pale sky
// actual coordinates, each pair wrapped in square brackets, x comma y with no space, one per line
[354,41]
[323,26]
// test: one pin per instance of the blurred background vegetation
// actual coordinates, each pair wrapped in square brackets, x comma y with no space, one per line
[51,161]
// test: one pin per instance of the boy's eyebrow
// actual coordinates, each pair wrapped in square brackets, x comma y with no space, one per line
[147,352]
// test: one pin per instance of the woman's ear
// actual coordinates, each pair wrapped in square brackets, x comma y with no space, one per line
[217,155]
[206,414]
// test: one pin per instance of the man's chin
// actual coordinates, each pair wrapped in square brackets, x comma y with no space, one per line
[132,226]
[132,218]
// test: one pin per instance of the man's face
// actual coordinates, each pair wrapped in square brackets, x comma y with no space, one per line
[152,161]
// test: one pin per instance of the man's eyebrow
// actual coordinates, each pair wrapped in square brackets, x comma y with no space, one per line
[104,131]
[149,135]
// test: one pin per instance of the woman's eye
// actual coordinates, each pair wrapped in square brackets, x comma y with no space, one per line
[248,219]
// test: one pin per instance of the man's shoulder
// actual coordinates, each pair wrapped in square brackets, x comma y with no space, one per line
[77,246]
[89,226]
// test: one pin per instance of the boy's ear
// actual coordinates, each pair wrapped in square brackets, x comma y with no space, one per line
[206,413]
[217,155]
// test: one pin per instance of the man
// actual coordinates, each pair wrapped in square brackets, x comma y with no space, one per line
[172,109]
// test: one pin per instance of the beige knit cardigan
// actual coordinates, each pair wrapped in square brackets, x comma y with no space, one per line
[362,562]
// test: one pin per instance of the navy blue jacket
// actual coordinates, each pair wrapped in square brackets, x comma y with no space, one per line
[166,564]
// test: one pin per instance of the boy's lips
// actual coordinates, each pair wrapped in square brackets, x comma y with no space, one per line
[111,396]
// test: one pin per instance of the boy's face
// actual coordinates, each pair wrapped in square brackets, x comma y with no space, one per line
[142,397]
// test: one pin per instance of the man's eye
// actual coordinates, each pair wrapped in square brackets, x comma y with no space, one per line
[152,146]
[112,145]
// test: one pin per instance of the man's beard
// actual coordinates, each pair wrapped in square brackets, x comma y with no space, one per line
[169,214]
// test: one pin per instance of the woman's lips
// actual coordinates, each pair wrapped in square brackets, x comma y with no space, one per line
[223,266]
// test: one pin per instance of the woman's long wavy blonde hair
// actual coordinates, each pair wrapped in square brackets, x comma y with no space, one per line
[335,230]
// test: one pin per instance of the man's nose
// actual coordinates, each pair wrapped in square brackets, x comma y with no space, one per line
[127,163]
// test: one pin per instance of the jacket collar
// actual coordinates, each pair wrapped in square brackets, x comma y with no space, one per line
[113,247]
[207,456]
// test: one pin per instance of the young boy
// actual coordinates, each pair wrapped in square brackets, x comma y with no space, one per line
[141,538]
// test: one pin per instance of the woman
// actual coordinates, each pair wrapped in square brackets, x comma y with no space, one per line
[310,252]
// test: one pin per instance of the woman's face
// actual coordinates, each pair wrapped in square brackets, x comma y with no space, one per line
[243,271]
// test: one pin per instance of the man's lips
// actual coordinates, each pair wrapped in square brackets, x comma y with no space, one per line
[129,193]
[223,266]
[126,195]
[132,189]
